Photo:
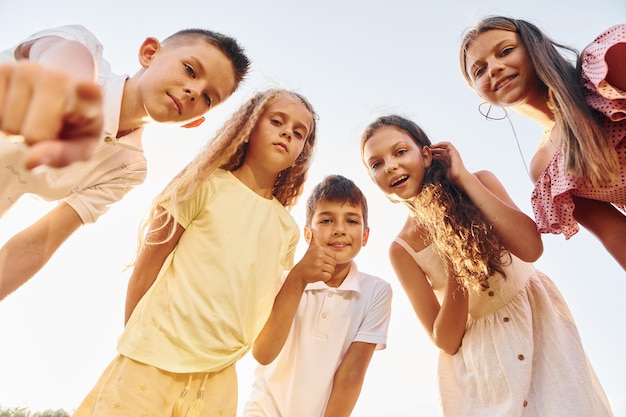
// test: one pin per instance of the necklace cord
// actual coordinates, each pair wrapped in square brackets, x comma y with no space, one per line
[488,117]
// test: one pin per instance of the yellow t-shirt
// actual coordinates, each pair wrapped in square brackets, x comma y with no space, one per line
[216,289]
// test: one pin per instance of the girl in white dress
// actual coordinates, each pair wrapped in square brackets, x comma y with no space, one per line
[509,345]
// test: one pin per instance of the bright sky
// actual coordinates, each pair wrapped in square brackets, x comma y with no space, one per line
[354,60]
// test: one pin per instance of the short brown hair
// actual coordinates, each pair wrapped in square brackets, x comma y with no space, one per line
[228,45]
[336,188]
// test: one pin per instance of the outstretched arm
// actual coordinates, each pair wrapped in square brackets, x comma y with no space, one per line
[52,99]
[149,263]
[317,264]
[445,322]
[518,231]
[606,222]
[29,250]
[349,379]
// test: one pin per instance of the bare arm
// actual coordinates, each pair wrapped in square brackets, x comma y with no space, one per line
[29,250]
[606,222]
[349,379]
[517,231]
[53,101]
[272,338]
[444,323]
[317,264]
[149,263]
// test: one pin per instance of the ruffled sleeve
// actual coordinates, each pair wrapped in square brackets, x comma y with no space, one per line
[602,96]
[551,199]
[552,202]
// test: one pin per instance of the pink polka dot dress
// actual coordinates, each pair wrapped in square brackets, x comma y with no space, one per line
[552,197]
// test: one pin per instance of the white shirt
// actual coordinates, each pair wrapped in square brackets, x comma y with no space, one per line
[328,320]
[89,187]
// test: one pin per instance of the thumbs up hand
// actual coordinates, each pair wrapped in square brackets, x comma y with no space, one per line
[318,263]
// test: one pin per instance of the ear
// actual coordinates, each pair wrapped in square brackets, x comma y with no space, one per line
[147,50]
[427,156]
[366,236]
[308,235]
[194,123]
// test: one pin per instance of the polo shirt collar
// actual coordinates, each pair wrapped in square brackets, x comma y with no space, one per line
[351,283]
[113,94]
[113,103]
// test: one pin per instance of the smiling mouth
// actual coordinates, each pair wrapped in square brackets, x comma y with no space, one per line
[399,181]
[503,82]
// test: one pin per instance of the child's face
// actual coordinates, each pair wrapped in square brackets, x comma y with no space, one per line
[181,82]
[396,163]
[340,228]
[500,69]
[280,134]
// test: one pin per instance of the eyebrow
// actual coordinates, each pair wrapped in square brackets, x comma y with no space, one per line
[286,116]
[372,158]
[496,47]
[200,69]
[401,143]
[332,213]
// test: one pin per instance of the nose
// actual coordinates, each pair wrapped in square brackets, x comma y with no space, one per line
[286,133]
[390,167]
[495,66]
[338,229]
[192,93]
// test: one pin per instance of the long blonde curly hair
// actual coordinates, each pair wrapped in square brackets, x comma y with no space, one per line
[458,230]
[227,150]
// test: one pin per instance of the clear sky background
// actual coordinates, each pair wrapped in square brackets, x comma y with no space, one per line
[354,60]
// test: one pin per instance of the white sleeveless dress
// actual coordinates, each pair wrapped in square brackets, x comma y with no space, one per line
[521,354]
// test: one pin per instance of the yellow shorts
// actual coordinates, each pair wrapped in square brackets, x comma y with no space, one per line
[131,389]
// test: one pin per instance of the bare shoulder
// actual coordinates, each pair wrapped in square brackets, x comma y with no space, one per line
[485,175]
[493,184]
[413,235]
[489,180]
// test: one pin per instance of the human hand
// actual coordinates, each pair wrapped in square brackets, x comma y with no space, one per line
[60,117]
[447,153]
[318,263]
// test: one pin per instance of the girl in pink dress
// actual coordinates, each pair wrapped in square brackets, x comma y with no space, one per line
[578,167]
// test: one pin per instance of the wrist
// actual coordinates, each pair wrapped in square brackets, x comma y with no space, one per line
[296,282]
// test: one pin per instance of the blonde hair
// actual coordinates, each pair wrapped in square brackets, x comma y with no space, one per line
[458,230]
[588,151]
[227,150]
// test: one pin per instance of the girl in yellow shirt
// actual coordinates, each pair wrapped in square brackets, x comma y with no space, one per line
[216,241]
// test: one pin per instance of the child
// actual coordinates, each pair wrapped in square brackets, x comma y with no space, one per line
[578,167]
[509,345]
[325,331]
[181,78]
[210,265]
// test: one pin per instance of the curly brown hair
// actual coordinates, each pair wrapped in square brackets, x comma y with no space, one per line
[458,230]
